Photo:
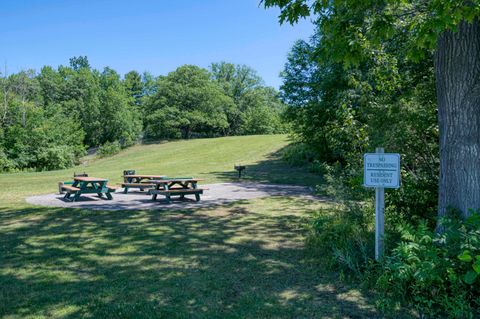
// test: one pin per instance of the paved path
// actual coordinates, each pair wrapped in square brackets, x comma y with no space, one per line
[217,194]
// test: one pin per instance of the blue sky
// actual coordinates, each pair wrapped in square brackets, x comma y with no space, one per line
[146,35]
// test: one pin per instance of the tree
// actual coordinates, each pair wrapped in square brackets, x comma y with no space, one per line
[235,80]
[353,29]
[120,120]
[187,103]
[262,113]
[134,85]
[77,63]
[25,85]
[5,90]
[256,110]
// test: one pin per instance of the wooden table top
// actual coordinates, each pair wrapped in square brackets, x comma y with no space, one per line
[90,179]
[175,180]
[145,176]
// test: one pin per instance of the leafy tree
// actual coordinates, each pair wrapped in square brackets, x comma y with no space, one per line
[80,97]
[353,30]
[134,86]
[47,119]
[26,88]
[262,113]
[119,120]
[388,100]
[189,103]
[236,80]
[255,104]
[77,63]
[148,84]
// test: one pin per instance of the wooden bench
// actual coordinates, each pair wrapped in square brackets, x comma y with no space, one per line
[146,185]
[178,191]
[69,189]
[142,186]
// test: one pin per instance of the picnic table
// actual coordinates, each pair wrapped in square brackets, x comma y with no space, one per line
[139,181]
[88,185]
[176,187]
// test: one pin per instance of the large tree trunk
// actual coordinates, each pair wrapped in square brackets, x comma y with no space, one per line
[457,71]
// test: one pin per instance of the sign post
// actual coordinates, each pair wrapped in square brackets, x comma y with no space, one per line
[381,170]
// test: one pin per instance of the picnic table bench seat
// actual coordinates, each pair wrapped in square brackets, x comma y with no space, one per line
[177,191]
[70,189]
[133,185]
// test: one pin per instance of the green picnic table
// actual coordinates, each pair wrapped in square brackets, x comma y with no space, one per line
[176,187]
[139,181]
[88,185]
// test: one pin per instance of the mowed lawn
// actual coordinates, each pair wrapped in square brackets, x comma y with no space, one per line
[241,260]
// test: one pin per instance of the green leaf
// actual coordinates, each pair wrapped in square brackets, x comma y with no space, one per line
[465,256]
[476,267]
[470,277]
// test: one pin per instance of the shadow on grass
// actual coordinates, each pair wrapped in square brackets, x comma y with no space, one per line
[231,262]
[272,170]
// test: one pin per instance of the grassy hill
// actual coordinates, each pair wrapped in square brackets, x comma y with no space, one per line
[240,260]
[211,159]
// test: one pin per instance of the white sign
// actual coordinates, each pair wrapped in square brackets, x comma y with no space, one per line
[381,170]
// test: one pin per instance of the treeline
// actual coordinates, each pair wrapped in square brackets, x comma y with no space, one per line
[49,119]
[343,112]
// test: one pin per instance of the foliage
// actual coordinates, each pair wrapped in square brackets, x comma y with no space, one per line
[435,272]
[352,28]
[322,105]
[343,238]
[261,113]
[341,113]
[298,154]
[49,140]
[257,109]
[198,106]
[109,149]
[47,119]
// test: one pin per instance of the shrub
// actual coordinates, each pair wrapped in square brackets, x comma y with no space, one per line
[437,273]
[55,157]
[109,149]
[6,165]
[298,154]
[343,238]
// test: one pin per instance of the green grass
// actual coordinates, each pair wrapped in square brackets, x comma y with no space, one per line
[241,260]
[211,159]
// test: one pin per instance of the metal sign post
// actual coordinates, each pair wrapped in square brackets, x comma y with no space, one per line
[381,170]
[379,216]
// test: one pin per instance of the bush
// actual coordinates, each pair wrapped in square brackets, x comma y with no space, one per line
[343,238]
[55,157]
[437,273]
[6,165]
[298,154]
[109,149]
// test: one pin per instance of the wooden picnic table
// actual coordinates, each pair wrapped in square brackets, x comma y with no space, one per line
[88,185]
[139,181]
[176,187]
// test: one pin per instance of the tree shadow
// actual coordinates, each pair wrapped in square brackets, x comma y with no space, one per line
[229,262]
[272,170]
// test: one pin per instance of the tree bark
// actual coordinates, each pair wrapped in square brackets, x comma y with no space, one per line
[457,71]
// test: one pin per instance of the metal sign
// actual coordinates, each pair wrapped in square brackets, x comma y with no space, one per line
[381,170]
